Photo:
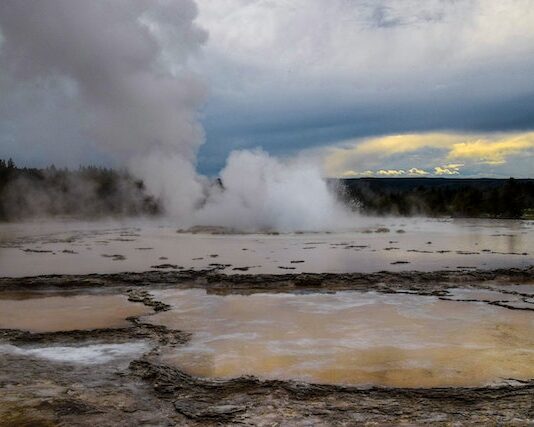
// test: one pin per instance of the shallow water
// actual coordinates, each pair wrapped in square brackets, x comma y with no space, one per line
[107,247]
[92,354]
[349,338]
[40,312]
[486,295]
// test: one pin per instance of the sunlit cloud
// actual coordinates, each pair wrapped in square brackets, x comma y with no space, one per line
[391,172]
[394,144]
[429,151]
[450,169]
[386,172]
[354,174]
[417,172]
[493,152]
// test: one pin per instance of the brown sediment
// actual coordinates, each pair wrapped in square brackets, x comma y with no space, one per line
[39,312]
[212,278]
[166,266]
[391,340]
[37,392]
[251,401]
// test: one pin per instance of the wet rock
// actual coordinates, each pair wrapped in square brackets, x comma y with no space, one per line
[382,230]
[217,266]
[250,401]
[137,295]
[164,395]
[115,257]
[380,281]
[19,337]
[165,266]
[209,229]
[310,280]
[204,410]
[63,407]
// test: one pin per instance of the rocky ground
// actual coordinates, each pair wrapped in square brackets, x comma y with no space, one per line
[137,390]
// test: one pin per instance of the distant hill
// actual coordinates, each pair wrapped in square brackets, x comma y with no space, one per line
[459,197]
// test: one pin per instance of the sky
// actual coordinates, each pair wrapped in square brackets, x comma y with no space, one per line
[362,87]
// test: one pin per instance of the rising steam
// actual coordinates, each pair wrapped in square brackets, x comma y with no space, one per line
[121,66]
[262,192]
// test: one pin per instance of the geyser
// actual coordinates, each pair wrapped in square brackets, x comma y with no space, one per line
[261,192]
[133,97]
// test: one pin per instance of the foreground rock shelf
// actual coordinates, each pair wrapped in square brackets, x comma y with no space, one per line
[43,382]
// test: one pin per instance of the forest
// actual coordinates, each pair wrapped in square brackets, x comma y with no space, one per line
[87,192]
[94,192]
[454,197]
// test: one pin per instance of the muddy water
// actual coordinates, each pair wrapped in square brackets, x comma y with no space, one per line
[372,245]
[350,338]
[37,312]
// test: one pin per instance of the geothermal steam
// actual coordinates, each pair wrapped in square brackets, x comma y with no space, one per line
[264,193]
[121,67]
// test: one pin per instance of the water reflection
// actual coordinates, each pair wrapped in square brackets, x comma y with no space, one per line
[374,244]
[350,338]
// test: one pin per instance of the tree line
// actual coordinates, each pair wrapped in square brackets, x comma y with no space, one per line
[92,192]
[88,191]
[489,198]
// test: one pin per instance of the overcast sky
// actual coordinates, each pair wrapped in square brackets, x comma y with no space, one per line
[368,87]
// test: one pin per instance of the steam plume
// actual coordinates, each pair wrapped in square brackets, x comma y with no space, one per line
[121,66]
[111,56]
[262,192]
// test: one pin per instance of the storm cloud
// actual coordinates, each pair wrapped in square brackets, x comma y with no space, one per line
[286,76]
[298,74]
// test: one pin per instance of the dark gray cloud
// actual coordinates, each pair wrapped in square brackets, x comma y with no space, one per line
[286,134]
[284,75]
[294,75]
